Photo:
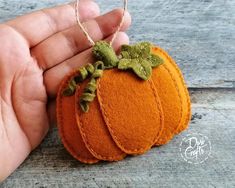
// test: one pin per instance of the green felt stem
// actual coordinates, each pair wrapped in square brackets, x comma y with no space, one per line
[105,53]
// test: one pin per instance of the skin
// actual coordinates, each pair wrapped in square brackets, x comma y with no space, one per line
[37,51]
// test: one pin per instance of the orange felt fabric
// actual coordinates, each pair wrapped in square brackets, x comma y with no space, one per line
[94,131]
[174,97]
[67,126]
[131,109]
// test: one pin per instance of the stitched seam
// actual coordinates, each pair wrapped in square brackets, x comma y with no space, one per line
[61,123]
[89,147]
[179,96]
[178,93]
[185,90]
[160,110]
[141,150]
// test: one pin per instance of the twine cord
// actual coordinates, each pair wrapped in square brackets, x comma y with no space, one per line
[121,23]
[87,34]
[80,24]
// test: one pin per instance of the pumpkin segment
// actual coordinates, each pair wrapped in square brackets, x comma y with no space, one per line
[94,131]
[174,96]
[186,100]
[67,125]
[131,109]
[168,91]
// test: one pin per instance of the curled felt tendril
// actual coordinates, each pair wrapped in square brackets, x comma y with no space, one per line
[89,93]
[83,73]
[91,86]
[70,90]
[90,68]
[99,69]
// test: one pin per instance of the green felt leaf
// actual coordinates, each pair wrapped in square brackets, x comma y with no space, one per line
[141,67]
[125,55]
[139,58]
[139,50]
[155,60]
[125,64]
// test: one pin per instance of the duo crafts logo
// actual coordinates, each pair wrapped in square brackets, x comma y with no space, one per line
[195,148]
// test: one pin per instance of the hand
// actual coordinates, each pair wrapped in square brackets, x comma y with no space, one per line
[36,52]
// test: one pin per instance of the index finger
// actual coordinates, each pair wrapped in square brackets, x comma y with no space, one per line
[37,26]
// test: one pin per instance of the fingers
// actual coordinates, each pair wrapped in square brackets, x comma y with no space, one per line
[54,76]
[38,26]
[51,111]
[67,43]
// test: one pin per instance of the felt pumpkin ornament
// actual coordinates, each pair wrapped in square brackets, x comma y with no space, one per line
[121,105]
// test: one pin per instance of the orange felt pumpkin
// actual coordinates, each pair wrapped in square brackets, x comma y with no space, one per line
[128,116]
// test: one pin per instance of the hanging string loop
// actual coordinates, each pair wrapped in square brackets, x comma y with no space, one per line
[91,41]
